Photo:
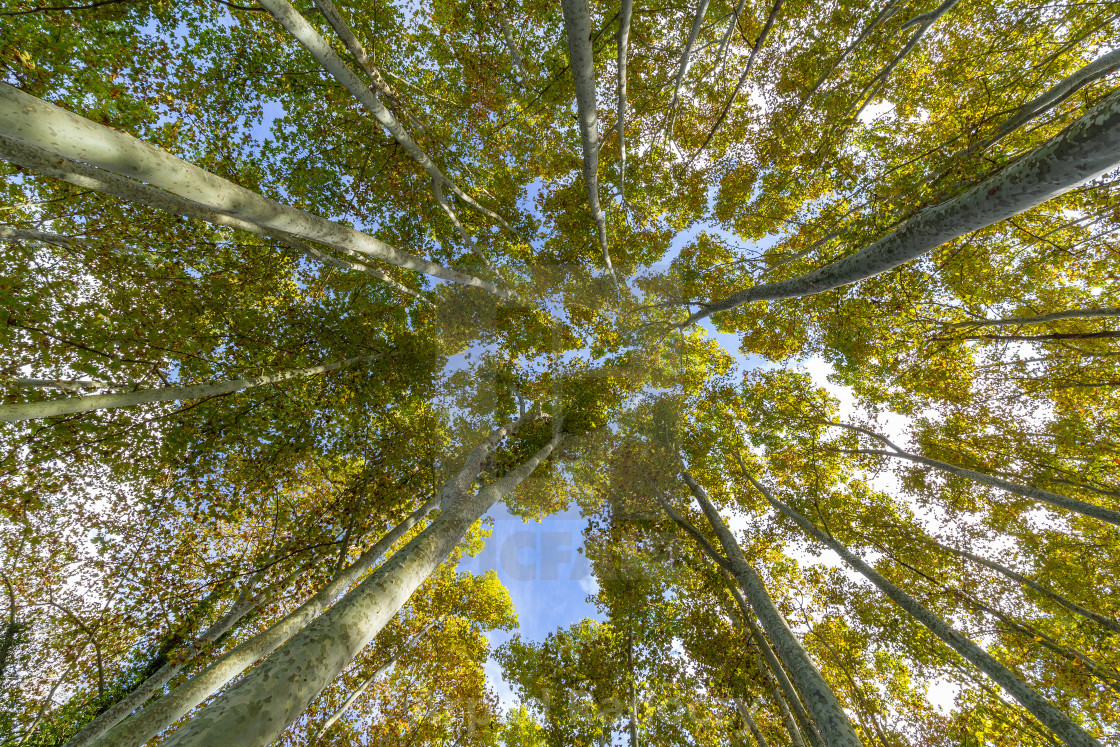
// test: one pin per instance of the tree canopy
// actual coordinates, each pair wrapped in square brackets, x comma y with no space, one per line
[810,308]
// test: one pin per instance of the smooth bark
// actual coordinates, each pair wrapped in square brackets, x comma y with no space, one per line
[831,720]
[1027,491]
[1064,727]
[581,58]
[686,56]
[162,713]
[71,405]
[721,54]
[748,719]
[1083,151]
[48,127]
[511,45]
[256,709]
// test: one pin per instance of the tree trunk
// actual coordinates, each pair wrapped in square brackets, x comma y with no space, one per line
[511,45]
[577,25]
[1088,614]
[70,405]
[256,709]
[296,25]
[624,15]
[79,174]
[1027,491]
[1083,151]
[1064,727]
[24,117]
[361,688]
[1040,318]
[161,714]
[748,719]
[833,723]
[686,56]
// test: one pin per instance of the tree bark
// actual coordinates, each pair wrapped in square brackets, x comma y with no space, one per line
[1084,150]
[686,56]
[748,719]
[48,127]
[577,27]
[296,25]
[361,688]
[1027,491]
[624,15]
[1064,727]
[511,45]
[831,720]
[1040,318]
[162,713]
[71,405]
[256,709]
[1088,614]
[79,174]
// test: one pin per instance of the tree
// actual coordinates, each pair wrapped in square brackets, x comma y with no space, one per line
[293,293]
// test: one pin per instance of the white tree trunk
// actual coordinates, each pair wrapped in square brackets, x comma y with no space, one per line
[686,56]
[831,720]
[361,688]
[748,719]
[162,713]
[624,15]
[64,169]
[324,54]
[1064,727]
[70,405]
[1053,316]
[511,45]
[256,709]
[38,123]
[577,27]
[1084,150]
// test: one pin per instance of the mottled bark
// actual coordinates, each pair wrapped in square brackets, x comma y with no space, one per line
[1084,150]
[162,713]
[71,405]
[256,709]
[1064,727]
[48,127]
[364,685]
[829,715]
[581,59]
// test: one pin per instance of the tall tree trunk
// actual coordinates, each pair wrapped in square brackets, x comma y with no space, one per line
[79,174]
[831,720]
[633,694]
[1083,151]
[361,688]
[624,15]
[70,405]
[793,710]
[1027,491]
[1088,614]
[748,719]
[1040,318]
[162,713]
[24,117]
[577,27]
[511,45]
[256,709]
[324,54]
[1064,727]
[686,56]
